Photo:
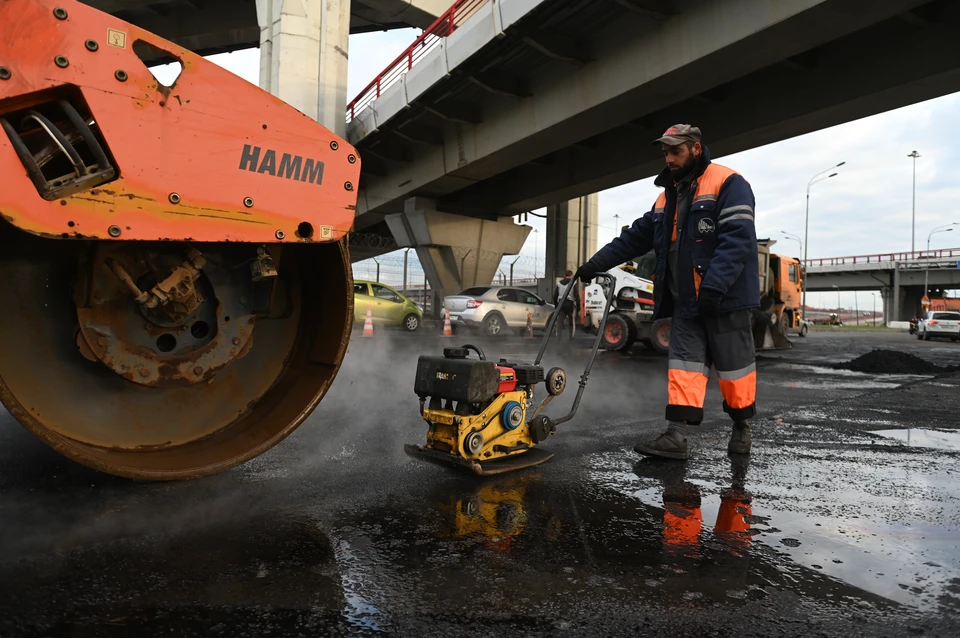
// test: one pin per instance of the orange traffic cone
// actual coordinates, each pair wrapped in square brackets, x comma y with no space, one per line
[368,324]
[447,328]
[529,325]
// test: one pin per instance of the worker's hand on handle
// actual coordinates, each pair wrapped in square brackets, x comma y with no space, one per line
[708,302]
[586,273]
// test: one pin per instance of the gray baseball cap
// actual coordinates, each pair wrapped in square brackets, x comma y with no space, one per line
[679,134]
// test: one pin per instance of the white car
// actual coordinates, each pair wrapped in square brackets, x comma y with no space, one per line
[943,325]
[496,309]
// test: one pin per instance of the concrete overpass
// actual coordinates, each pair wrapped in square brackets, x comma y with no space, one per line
[219,26]
[529,103]
[899,277]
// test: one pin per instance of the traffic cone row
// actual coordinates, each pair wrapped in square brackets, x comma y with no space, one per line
[368,324]
[447,328]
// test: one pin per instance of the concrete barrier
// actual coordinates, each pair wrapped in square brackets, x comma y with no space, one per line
[899,325]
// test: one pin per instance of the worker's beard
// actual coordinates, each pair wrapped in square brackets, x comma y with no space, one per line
[686,169]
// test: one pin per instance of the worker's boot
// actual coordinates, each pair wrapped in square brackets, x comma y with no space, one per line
[672,444]
[739,438]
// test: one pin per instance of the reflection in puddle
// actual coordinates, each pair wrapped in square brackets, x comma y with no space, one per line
[813,519]
[358,610]
[918,437]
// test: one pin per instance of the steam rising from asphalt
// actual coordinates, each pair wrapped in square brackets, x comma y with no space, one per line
[364,420]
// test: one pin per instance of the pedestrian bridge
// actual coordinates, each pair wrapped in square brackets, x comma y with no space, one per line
[900,277]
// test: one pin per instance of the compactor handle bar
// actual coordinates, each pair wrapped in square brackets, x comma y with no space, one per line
[610,283]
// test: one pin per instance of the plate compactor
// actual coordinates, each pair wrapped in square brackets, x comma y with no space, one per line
[481,414]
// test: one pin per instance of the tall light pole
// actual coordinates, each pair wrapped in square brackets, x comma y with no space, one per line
[536,254]
[794,238]
[806,229]
[913,228]
[946,228]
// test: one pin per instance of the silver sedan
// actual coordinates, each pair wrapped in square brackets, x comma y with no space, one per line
[497,310]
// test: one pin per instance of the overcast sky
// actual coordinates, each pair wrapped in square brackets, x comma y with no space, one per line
[865,209]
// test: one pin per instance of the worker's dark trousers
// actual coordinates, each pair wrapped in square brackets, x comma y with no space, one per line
[566,324]
[725,342]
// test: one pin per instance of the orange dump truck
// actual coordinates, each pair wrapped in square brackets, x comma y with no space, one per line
[631,318]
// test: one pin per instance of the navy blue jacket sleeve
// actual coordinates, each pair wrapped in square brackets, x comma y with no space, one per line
[632,242]
[736,238]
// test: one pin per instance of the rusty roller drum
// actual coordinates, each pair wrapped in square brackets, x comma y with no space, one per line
[174,275]
[87,411]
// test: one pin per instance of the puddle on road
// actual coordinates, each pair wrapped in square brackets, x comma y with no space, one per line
[918,437]
[884,532]
[818,377]
[817,384]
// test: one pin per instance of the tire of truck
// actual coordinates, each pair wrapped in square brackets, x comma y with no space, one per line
[619,333]
[660,336]
[786,322]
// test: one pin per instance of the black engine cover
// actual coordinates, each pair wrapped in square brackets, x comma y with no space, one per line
[527,373]
[469,380]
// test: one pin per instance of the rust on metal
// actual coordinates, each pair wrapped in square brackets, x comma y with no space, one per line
[99,417]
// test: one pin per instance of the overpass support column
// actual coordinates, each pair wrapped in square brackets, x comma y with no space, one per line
[455,252]
[895,309]
[571,236]
[303,56]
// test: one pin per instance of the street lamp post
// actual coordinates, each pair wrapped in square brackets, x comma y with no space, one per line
[946,228]
[913,229]
[794,238]
[806,229]
[511,269]
[536,253]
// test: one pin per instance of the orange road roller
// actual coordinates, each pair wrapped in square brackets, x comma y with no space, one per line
[174,275]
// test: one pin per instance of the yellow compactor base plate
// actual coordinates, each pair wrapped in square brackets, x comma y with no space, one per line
[530,458]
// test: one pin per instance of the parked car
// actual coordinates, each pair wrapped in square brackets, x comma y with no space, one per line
[495,310]
[802,328]
[941,325]
[387,306]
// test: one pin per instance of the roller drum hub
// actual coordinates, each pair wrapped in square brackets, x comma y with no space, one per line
[87,368]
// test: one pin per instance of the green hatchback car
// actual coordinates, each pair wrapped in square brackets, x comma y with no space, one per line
[387,305]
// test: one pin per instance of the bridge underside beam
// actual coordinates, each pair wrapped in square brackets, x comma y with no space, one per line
[217,26]
[769,72]
[881,68]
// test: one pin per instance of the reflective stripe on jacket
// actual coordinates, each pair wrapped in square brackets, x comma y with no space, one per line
[718,242]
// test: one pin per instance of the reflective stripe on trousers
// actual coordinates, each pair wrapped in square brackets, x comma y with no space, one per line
[724,342]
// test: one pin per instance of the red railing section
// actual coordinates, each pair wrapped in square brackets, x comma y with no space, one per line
[944,253]
[446,24]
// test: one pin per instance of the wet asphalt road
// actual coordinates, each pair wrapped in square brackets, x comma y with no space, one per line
[835,525]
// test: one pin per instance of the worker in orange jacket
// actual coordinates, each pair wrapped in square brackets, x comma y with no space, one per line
[706,278]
